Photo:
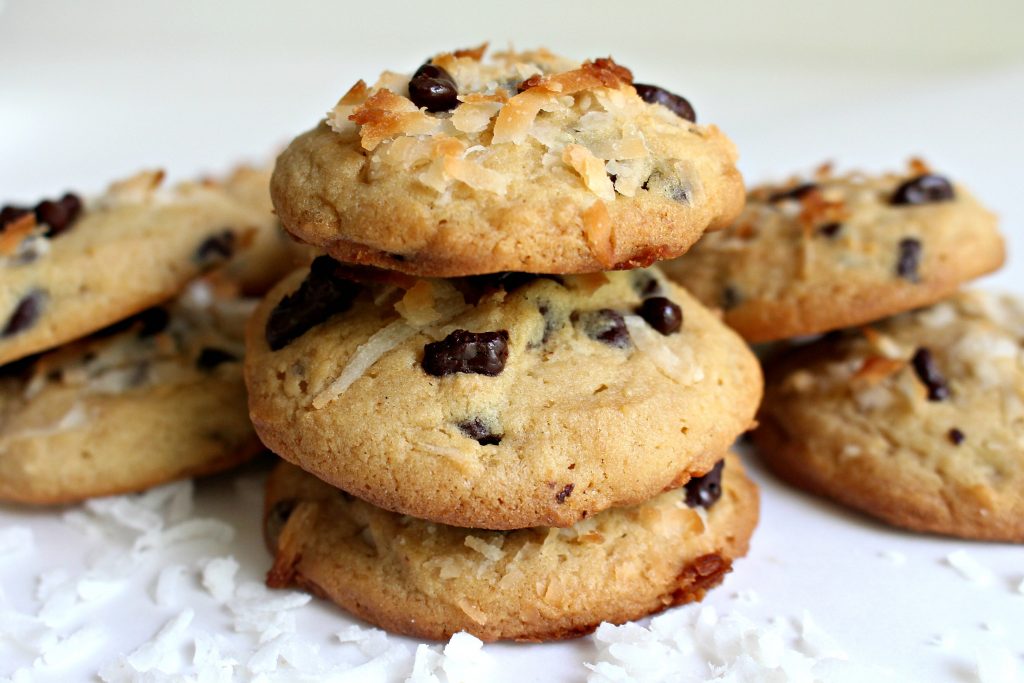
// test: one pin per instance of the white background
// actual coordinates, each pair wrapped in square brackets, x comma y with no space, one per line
[93,90]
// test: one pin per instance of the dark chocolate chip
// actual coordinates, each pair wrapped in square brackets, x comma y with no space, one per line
[211,357]
[476,429]
[564,493]
[645,284]
[731,297]
[909,259]
[705,491]
[481,353]
[668,186]
[321,295]
[830,230]
[679,106]
[153,321]
[956,437]
[9,214]
[929,374]
[604,325]
[924,189]
[553,322]
[662,314]
[433,88]
[278,516]
[797,192]
[216,248]
[25,314]
[58,215]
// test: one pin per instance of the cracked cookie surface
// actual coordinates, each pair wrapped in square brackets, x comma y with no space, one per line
[430,580]
[832,251]
[918,420]
[524,162]
[496,402]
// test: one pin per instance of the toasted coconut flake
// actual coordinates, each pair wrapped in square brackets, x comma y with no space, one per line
[338,117]
[591,170]
[492,551]
[386,115]
[474,53]
[474,175]
[137,189]
[597,231]
[393,81]
[918,166]
[429,301]
[681,367]
[474,117]
[15,232]
[875,369]
[515,118]
[368,353]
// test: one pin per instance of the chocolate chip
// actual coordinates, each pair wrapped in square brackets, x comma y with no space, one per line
[216,248]
[830,230]
[278,516]
[924,189]
[58,215]
[433,88]
[211,357]
[668,186]
[481,353]
[679,106]
[645,284]
[662,314]
[9,214]
[153,321]
[564,493]
[797,192]
[929,374]
[705,491]
[956,437]
[909,259]
[321,295]
[510,281]
[553,322]
[604,325]
[731,297]
[476,429]
[25,314]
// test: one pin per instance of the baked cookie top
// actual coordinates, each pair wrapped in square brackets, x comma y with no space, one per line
[527,162]
[431,580]
[831,251]
[69,267]
[155,397]
[500,401]
[918,420]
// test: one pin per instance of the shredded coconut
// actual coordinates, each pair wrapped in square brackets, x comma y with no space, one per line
[997,665]
[969,568]
[366,355]
[15,541]
[492,551]
[681,367]
[894,556]
[219,578]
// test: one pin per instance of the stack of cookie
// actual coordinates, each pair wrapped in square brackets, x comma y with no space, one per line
[495,418]
[918,418]
[118,369]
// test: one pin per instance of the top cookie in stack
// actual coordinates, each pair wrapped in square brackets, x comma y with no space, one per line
[527,162]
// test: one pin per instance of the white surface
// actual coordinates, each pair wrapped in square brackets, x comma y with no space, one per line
[87,94]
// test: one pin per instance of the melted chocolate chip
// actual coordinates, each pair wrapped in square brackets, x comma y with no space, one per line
[320,296]
[929,374]
[797,192]
[564,493]
[705,491]
[909,259]
[278,516]
[476,429]
[216,248]
[924,189]
[25,314]
[645,284]
[662,314]
[679,106]
[211,357]
[58,215]
[731,297]
[433,88]
[481,353]
[604,325]
[9,214]
[956,437]
[830,230]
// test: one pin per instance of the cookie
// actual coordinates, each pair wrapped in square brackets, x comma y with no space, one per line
[271,253]
[918,420]
[69,268]
[157,397]
[835,251]
[496,402]
[526,162]
[431,580]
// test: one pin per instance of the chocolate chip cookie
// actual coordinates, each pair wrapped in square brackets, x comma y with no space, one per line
[430,580]
[524,162]
[918,420]
[156,397]
[496,402]
[831,251]
[69,267]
